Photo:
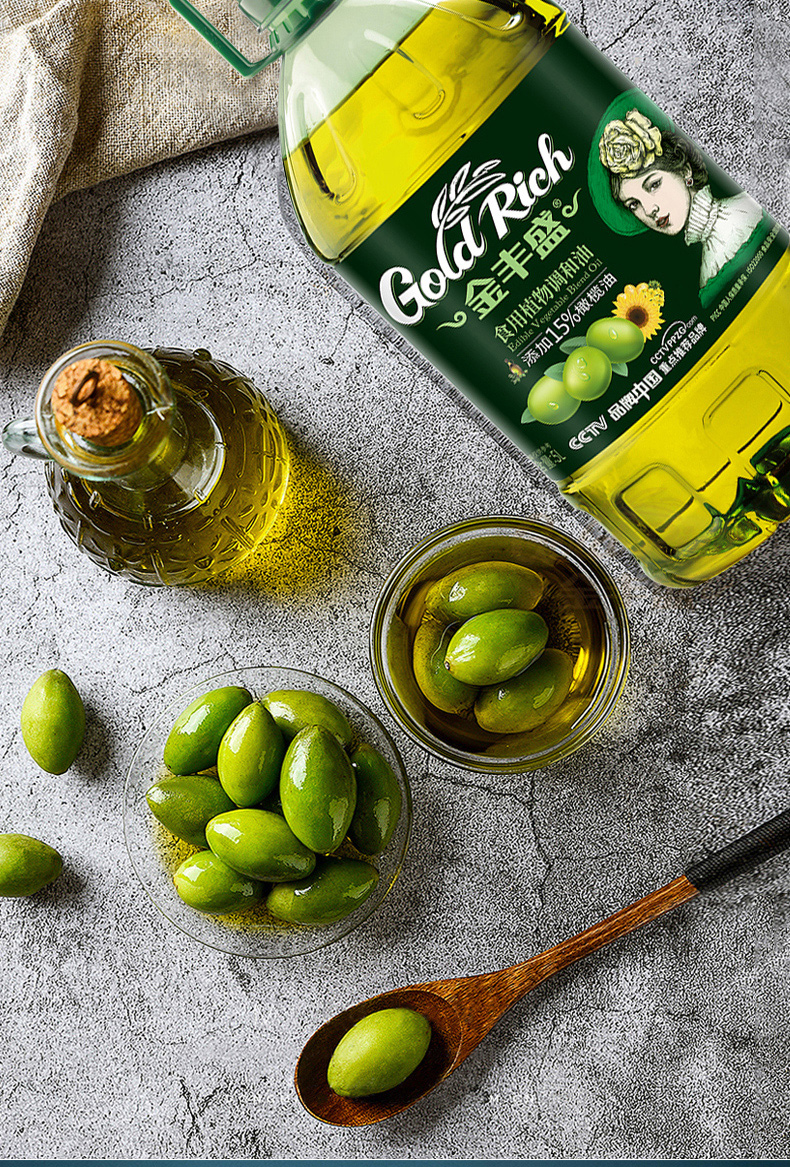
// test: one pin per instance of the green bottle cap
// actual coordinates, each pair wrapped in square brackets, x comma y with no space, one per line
[284,20]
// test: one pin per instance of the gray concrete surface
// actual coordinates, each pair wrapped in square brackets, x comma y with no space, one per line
[120,1038]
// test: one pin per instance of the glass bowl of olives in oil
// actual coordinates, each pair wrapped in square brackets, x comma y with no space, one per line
[500,644]
[266,812]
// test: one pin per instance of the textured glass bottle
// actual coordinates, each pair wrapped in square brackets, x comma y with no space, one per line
[493,186]
[193,491]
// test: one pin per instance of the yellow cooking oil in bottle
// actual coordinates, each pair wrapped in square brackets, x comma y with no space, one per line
[535,226]
[165,466]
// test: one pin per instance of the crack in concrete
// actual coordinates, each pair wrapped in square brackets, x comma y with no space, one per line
[195,1111]
[341,338]
[620,36]
[456,782]
[548,865]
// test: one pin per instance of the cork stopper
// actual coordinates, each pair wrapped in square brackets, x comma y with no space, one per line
[92,398]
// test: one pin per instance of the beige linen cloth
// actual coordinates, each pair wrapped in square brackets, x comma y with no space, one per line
[90,89]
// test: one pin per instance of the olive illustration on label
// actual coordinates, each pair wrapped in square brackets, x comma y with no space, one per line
[550,402]
[587,373]
[620,339]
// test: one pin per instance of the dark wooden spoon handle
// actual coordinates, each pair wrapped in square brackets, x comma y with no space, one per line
[743,854]
[626,920]
[764,842]
[482,999]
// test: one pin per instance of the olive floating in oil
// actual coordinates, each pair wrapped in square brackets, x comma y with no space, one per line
[526,701]
[522,722]
[483,587]
[437,683]
[495,646]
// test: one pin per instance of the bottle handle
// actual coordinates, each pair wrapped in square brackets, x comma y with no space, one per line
[21,437]
[218,41]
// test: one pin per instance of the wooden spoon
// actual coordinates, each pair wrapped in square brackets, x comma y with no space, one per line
[462,1010]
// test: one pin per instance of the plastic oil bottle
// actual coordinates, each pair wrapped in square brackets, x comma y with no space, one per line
[538,229]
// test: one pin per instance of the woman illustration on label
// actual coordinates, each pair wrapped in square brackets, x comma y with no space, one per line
[659,178]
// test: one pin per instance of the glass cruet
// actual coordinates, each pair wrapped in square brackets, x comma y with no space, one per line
[178,483]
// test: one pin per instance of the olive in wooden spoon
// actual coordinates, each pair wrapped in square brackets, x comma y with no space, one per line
[462,1011]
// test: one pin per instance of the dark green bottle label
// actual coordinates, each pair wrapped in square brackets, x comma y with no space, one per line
[571,262]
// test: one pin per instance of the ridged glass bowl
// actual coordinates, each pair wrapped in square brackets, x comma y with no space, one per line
[155,854]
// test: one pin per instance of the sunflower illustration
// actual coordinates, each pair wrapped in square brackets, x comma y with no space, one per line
[642,304]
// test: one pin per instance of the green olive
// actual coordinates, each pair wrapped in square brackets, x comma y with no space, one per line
[250,755]
[193,742]
[379,1052]
[620,339]
[336,888]
[26,865]
[318,789]
[379,801]
[587,373]
[437,683]
[186,804]
[206,883]
[259,844]
[526,701]
[550,402]
[496,646]
[482,587]
[295,709]
[53,721]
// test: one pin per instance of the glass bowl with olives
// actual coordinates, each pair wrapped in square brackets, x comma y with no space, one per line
[267,812]
[500,644]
